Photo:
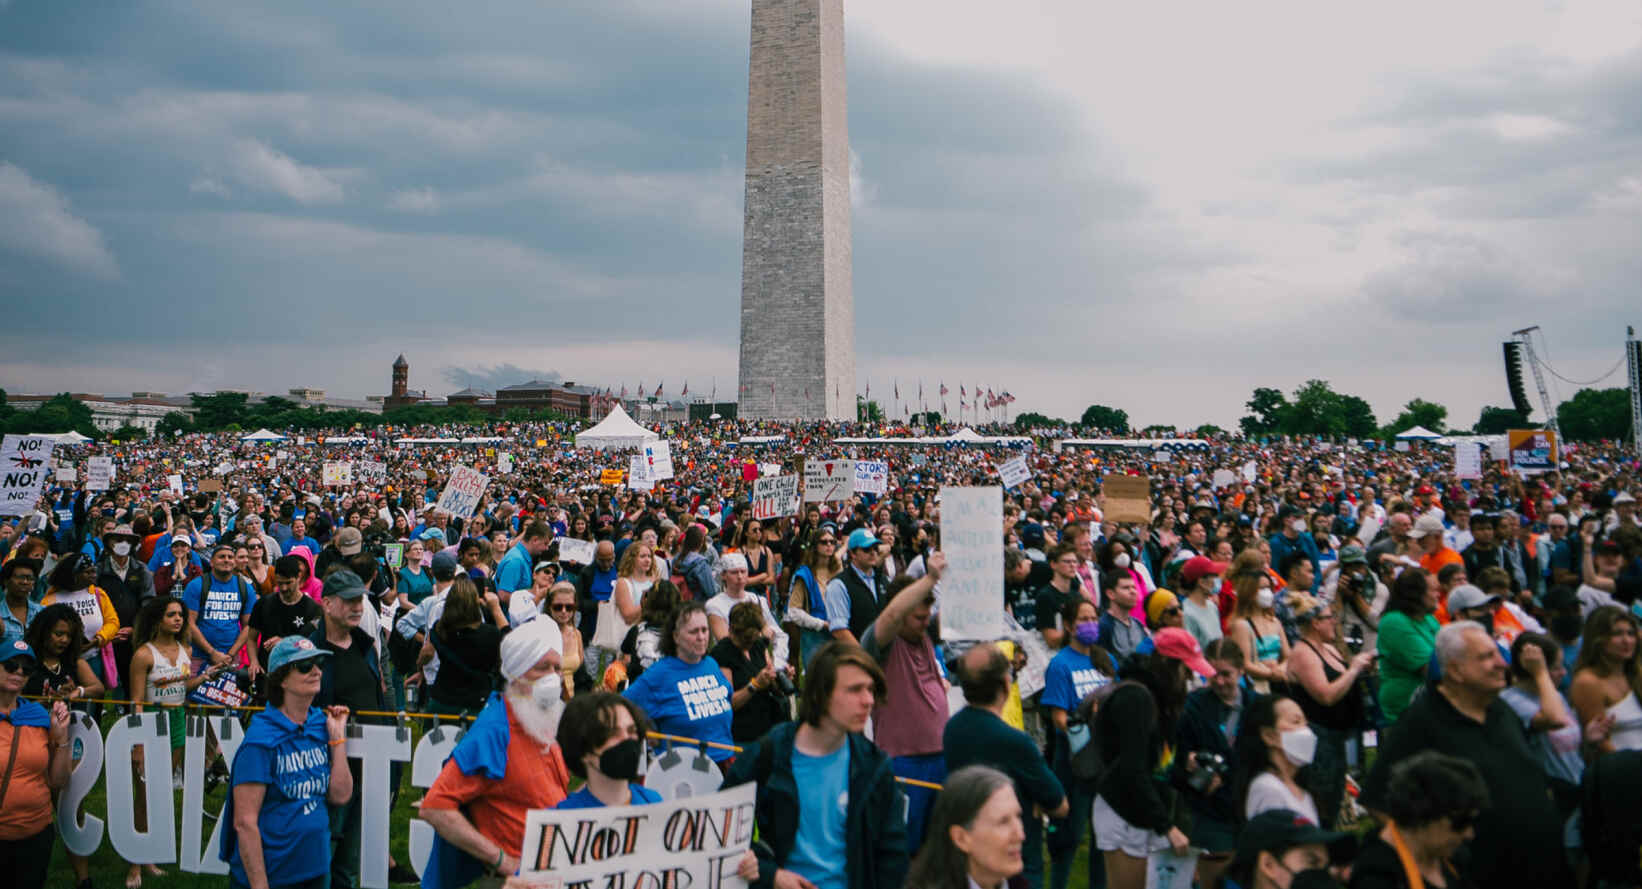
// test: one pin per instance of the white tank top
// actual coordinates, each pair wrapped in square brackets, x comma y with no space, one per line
[1626,733]
[84,603]
[172,672]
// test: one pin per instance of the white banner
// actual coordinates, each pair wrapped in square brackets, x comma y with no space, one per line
[461,495]
[24,462]
[578,551]
[1013,472]
[971,590]
[99,473]
[831,480]
[689,842]
[338,474]
[174,482]
[504,464]
[370,472]
[660,457]
[775,497]
[871,476]
[66,475]
[1468,460]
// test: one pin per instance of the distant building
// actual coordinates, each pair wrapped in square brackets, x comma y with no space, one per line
[400,394]
[110,412]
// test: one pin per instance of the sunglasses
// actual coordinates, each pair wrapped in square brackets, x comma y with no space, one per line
[18,665]
[1172,609]
[305,666]
[565,608]
[826,542]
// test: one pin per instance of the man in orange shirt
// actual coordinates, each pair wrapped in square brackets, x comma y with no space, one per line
[506,765]
[1427,535]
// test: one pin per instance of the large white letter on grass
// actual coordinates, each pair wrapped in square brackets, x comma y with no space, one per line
[81,839]
[430,757]
[157,845]
[229,734]
[376,747]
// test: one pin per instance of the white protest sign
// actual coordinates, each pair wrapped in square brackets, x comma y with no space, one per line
[99,473]
[871,476]
[1224,478]
[694,841]
[338,474]
[769,469]
[578,551]
[659,455]
[370,472]
[66,475]
[638,473]
[1013,472]
[23,462]
[504,464]
[1250,470]
[223,469]
[174,482]
[461,495]
[831,480]
[775,497]
[1468,460]
[971,590]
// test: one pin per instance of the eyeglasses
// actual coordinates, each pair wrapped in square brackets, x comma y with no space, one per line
[305,666]
[18,665]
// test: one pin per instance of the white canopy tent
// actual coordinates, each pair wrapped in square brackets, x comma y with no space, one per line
[615,432]
[1167,444]
[262,435]
[63,438]
[1418,433]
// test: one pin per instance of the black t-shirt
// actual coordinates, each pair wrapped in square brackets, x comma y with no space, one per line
[1049,603]
[467,659]
[764,709]
[355,686]
[272,618]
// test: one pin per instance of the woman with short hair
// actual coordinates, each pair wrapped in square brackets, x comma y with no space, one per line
[1432,802]
[975,834]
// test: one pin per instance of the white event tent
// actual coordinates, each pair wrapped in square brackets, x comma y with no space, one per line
[615,432]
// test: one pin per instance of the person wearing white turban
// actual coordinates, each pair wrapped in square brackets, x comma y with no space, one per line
[733,591]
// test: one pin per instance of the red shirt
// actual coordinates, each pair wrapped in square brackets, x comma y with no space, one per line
[535,780]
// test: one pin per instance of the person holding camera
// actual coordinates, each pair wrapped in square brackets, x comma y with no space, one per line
[761,687]
[1204,751]
[1327,688]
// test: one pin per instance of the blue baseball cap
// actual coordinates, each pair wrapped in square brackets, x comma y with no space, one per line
[861,538]
[292,649]
[16,649]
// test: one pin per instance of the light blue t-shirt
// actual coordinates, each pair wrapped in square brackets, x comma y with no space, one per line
[223,607]
[513,572]
[823,806]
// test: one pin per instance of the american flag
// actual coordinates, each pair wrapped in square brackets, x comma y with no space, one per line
[658,389]
[897,390]
[943,389]
[686,388]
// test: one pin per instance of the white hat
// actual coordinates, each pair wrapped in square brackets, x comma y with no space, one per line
[1426,524]
[732,562]
[527,644]
[1623,497]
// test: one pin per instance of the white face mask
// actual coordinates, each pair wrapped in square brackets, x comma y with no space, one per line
[1298,526]
[122,549]
[1265,599]
[1121,560]
[547,691]
[1300,745]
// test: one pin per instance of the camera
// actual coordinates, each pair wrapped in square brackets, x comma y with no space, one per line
[1209,767]
[784,685]
[1354,638]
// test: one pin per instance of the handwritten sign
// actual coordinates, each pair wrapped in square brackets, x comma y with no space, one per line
[659,455]
[461,495]
[638,473]
[1128,498]
[775,497]
[66,476]
[578,551]
[370,472]
[829,480]
[394,553]
[693,841]
[971,590]
[504,464]
[1014,472]
[23,472]
[335,473]
[99,473]
[871,476]
[1468,460]
[174,482]
[611,477]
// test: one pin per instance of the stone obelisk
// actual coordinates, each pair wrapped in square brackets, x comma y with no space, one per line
[797,306]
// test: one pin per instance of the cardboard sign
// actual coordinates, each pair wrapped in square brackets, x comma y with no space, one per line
[694,841]
[24,462]
[1128,498]
[1532,450]
[369,472]
[871,476]
[1014,472]
[638,474]
[660,457]
[611,477]
[971,590]
[829,480]
[66,475]
[394,553]
[578,551]
[337,474]
[775,497]
[1468,460]
[208,485]
[504,464]
[462,493]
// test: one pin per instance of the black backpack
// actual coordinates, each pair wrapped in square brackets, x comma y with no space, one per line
[1087,763]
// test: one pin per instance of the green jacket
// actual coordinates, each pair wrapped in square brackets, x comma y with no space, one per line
[1405,646]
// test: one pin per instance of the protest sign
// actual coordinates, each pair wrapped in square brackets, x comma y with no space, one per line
[504,464]
[971,590]
[174,482]
[578,551]
[1250,470]
[370,472]
[99,473]
[1013,472]
[223,469]
[1128,498]
[769,469]
[461,495]
[828,480]
[638,473]
[65,475]
[23,462]
[337,474]
[694,841]
[659,455]
[208,485]
[871,476]
[1224,478]
[610,477]
[775,497]
[394,554]
[1532,450]
[1468,460]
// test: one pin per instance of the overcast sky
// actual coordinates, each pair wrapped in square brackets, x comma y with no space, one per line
[1154,206]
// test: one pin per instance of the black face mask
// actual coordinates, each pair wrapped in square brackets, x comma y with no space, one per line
[622,760]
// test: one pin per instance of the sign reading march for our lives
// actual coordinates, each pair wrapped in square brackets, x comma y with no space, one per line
[971,590]
[695,842]
[829,480]
[1013,472]
[24,470]
[461,495]
[871,476]
[775,497]
[659,456]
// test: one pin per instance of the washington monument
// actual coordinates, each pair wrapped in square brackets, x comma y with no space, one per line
[797,307]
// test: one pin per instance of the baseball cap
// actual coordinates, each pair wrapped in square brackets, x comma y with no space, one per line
[344,584]
[181,541]
[292,649]
[1278,830]
[430,533]
[349,541]
[443,563]
[18,648]
[1426,524]
[1182,646]
[1623,497]
[1353,555]
[861,538]
[1198,567]
[1467,596]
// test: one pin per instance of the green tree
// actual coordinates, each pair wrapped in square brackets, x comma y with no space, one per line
[1031,420]
[59,413]
[128,432]
[1110,419]
[928,418]
[216,411]
[1357,417]
[1208,430]
[868,411]
[1418,412]
[1498,420]
[174,422]
[1596,414]
[1267,411]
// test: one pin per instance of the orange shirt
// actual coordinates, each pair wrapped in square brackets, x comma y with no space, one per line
[535,780]
[1434,562]
[28,800]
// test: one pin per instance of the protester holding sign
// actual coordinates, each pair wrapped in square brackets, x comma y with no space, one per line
[37,766]
[275,830]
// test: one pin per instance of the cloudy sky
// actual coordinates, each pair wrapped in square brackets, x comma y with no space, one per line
[1154,206]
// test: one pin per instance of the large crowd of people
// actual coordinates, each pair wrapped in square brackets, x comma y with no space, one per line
[1312,663]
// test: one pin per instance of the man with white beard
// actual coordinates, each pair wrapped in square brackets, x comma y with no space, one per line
[504,766]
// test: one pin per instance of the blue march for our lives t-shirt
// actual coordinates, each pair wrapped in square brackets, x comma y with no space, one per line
[692,701]
[293,763]
[218,618]
[1068,678]
[823,804]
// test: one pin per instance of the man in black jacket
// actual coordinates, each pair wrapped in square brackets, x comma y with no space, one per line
[128,583]
[1208,729]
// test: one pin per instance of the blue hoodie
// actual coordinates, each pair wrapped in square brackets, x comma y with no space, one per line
[293,763]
